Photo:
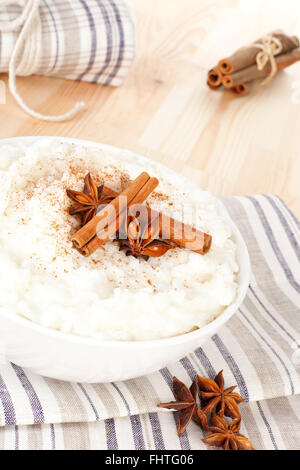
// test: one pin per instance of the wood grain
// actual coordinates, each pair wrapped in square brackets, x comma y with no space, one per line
[164,110]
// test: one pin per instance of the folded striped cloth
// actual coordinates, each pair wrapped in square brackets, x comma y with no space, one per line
[258,349]
[93,40]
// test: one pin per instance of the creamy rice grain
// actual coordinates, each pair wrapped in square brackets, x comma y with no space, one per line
[107,296]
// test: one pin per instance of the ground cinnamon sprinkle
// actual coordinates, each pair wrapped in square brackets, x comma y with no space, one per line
[159,196]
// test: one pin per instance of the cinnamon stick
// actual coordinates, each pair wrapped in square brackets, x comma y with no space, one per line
[252,73]
[182,235]
[108,214]
[170,228]
[240,90]
[94,244]
[104,234]
[247,56]
[214,78]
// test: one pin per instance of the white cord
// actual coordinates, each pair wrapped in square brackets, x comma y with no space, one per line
[30,39]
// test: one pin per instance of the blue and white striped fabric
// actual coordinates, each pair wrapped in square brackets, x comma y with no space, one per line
[258,350]
[92,40]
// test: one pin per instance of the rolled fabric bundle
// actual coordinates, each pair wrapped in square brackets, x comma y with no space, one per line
[81,40]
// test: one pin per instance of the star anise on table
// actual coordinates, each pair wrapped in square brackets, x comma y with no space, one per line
[142,239]
[187,405]
[215,397]
[227,437]
[88,201]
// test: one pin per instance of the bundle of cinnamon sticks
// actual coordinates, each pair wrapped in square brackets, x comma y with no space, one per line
[258,61]
[107,222]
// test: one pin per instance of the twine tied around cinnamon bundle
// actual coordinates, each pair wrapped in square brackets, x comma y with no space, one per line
[270,47]
[27,53]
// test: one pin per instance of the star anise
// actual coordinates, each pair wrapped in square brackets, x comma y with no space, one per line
[187,405]
[142,241]
[215,397]
[88,201]
[227,437]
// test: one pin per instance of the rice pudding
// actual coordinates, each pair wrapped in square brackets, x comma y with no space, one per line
[108,295]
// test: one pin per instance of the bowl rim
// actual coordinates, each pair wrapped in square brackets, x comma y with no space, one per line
[205,330]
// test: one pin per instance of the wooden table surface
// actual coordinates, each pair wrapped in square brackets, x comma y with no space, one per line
[164,110]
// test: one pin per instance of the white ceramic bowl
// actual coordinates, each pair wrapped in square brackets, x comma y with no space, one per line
[73,358]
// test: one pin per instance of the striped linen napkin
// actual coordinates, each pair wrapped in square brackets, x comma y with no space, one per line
[93,40]
[258,349]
